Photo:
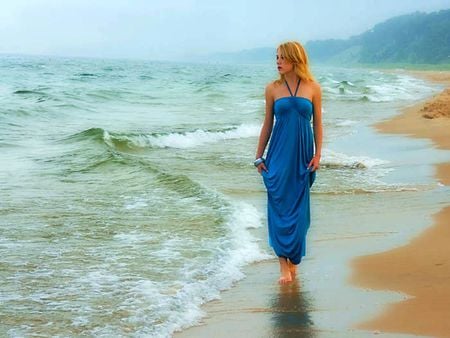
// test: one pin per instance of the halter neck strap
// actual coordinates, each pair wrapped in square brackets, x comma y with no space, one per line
[296,89]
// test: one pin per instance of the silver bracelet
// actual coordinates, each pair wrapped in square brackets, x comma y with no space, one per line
[258,161]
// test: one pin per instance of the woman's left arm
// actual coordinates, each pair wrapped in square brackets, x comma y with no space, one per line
[317,125]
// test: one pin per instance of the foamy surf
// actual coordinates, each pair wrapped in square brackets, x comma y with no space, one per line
[387,87]
[334,159]
[342,173]
[182,307]
[183,140]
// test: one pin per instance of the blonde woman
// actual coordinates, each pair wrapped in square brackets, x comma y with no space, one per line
[293,156]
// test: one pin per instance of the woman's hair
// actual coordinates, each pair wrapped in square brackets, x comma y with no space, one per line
[295,53]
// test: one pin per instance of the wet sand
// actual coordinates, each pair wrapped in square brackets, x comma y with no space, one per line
[272,311]
[421,268]
[321,303]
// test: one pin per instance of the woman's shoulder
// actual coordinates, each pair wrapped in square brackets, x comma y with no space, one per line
[313,83]
[272,86]
[270,91]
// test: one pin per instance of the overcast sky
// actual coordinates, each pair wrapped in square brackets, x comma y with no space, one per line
[171,30]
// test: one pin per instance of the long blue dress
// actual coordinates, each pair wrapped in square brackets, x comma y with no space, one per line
[288,179]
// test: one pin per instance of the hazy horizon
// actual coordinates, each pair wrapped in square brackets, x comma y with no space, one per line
[185,29]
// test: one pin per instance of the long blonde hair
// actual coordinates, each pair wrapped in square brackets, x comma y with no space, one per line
[295,53]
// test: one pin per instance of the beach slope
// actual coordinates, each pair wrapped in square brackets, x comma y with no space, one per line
[421,268]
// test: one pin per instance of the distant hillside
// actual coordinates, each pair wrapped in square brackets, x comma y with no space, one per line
[414,38]
[417,38]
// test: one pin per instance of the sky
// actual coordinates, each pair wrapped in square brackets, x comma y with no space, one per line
[182,29]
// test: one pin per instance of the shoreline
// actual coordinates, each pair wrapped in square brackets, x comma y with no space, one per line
[420,268]
[257,306]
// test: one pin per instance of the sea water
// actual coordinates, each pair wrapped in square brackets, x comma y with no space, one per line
[124,184]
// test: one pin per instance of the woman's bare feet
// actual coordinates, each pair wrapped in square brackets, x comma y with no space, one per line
[286,276]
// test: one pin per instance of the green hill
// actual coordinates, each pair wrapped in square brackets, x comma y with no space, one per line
[413,39]
[417,38]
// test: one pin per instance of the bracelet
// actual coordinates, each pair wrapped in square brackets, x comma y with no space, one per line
[258,161]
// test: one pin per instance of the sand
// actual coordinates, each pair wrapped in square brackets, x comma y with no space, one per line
[272,311]
[421,268]
[430,119]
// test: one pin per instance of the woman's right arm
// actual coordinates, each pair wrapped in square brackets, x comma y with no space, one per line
[266,128]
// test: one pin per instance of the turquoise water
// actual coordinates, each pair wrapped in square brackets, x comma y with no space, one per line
[125,184]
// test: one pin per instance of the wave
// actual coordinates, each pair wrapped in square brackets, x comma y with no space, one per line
[181,184]
[378,87]
[239,249]
[146,77]
[346,123]
[39,94]
[9,145]
[343,174]
[185,187]
[121,144]
[24,91]
[368,190]
[198,137]
[233,247]
[87,75]
[95,134]
[128,141]
[336,160]
[181,140]
[94,162]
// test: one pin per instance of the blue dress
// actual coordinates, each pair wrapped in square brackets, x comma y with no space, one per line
[288,179]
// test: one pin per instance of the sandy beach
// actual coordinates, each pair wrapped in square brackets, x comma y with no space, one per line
[421,268]
[325,302]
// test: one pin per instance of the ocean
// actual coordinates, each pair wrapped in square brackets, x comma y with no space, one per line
[127,186]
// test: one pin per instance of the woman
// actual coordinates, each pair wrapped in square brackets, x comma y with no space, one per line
[289,169]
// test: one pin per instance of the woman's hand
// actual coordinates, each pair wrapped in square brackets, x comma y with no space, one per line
[314,164]
[261,167]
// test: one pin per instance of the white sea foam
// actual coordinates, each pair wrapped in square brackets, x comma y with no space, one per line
[200,137]
[138,203]
[188,139]
[183,309]
[400,90]
[379,88]
[133,237]
[169,251]
[335,159]
[346,123]
[402,87]
[107,138]
[99,280]
[80,321]
[347,174]
[179,301]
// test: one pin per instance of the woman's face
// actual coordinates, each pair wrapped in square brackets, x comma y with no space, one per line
[283,65]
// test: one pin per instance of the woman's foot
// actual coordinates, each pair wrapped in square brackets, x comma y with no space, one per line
[286,276]
[292,268]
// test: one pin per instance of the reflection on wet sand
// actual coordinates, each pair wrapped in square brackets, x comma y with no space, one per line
[290,312]
[260,308]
